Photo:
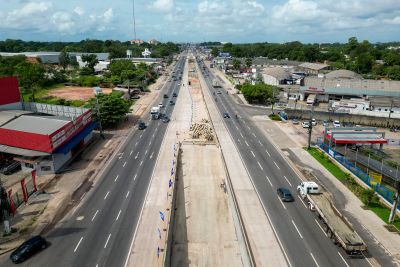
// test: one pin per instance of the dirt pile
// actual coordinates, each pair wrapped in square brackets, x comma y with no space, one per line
[202,130]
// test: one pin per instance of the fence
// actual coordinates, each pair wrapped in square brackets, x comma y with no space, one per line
[382,190]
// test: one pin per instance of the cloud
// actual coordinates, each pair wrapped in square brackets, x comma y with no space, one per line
[163,5]
[45,17]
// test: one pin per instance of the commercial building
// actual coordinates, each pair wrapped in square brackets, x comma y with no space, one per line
[42,137]
[275,76]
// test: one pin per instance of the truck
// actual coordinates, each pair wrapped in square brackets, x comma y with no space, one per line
[155,113]
[335,225]
[216,83]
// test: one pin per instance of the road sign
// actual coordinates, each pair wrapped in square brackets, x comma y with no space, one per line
[170,183]
[162,216]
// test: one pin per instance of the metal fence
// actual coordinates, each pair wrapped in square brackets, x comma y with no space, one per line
[382,190]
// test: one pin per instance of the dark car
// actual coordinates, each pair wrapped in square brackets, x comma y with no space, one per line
[171,103]
[165,119]
[165,96]
[11,167]
[284,194]
[174,95]
[28,248]
[141,125]
[226,115]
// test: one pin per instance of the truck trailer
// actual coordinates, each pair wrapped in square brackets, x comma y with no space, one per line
[335,225]
[155,113]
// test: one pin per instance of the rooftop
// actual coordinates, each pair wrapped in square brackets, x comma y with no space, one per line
[277,72]
[8,115]
[313,66]
[344,74]
[36,124]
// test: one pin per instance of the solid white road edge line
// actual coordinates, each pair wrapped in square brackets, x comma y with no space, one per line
[312,256]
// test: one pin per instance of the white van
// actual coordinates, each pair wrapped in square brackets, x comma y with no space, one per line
[308,188]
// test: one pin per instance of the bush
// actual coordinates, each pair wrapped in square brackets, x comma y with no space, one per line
[274,117]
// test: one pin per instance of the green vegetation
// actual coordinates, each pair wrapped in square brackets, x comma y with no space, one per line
[259,93]
[113,108]
[274,117]
[360,57]
[367,196]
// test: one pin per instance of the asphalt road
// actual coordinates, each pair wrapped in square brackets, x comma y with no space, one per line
[298,230]
[101,230]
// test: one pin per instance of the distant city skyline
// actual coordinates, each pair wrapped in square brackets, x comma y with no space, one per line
[237,21]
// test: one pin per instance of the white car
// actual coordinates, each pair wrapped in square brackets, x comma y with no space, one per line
[161,105]
[336,124]
[305,124]
[313,122]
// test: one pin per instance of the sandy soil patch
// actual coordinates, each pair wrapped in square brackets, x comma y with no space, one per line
[75,93]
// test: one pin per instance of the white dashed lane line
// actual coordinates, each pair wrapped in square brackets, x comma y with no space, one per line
[116,178]
[127,194]
[119,213]
[266,151]
[277,165]
[95,214]
[137,155]
[105,197]
[130,153]
[312,256]
[247,144]
[124,164]
[269,181]
[77,245]
[259,165]
[297,229]
[287,180]
[253,153]
[108,239]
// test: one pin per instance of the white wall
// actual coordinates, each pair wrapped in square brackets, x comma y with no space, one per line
[268,79]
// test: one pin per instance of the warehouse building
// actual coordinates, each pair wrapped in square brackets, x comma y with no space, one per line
[275,76]
[42,137]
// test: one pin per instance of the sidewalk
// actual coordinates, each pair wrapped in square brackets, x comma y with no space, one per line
[371,225]
[263,242]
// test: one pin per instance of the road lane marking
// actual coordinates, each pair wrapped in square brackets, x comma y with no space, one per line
[157,127]
[141,163]
[302,201]
[320,227]
[260,142]
[95,214]
[116,178]
[140,136]
[127,194]
[146,152]
[130,153]
[343,259]
[241,135]
[259,165]
[266,151]
[84,194]
[237,127]
[248,127]
[277,165]
[150,143]
[282,203]
[119,213]
[152,136]
[253,153]
[77,245]
[254,135]
[105,245]
[247,144]
[287,180]
[106,195]
[297,229]
[312,256]
[136,143]
[269,181]
[124,164]
[239,141]
[137,155]
[134,178]
[151,156]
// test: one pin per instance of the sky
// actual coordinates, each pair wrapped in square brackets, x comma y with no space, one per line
[237,21]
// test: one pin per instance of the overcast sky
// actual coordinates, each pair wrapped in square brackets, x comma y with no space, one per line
[235,21]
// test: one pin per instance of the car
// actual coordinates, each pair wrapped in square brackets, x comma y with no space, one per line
[11,167]
[295,121]
[141,125]
[219,92]
[284,194]
[28,249]
[171,103]
[325,123]
[313,122]
[226,115]
[305,124]
[165,96]
[169,80]
[161,105]
[336,124]
[165,119]
[174,95]
[179,83]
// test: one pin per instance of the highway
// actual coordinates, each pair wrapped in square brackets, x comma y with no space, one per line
[101,230]
[299,233]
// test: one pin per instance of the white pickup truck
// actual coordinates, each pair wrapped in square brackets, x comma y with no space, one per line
[336,226]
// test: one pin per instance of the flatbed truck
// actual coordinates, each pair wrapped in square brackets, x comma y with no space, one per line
[335,225]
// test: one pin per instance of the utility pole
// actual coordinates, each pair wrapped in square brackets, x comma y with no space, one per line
[310,126]
[98,117]
[4,206]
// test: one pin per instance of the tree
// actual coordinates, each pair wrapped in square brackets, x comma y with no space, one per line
[64,59]
[393,72]
[364,63]
[236,64]
[118,66]
[30,76]
[113,108]
[214,52]
[90,60]
[249,62]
